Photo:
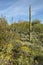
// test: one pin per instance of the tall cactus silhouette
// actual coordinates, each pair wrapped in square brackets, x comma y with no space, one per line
[30,21]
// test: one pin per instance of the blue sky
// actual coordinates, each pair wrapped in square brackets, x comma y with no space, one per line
[19,9]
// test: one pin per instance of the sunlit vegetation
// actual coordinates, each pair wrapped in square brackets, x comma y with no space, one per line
[15,47]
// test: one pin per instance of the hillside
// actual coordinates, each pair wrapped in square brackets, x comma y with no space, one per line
[15,47]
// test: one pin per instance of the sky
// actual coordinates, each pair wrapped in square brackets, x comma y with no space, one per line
[17,10]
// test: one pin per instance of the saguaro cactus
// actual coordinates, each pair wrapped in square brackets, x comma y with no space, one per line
[30,21]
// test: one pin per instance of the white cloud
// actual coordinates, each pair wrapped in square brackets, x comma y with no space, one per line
[21,7]
[15,10]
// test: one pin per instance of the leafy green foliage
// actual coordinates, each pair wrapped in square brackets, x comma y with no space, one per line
[15,48]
